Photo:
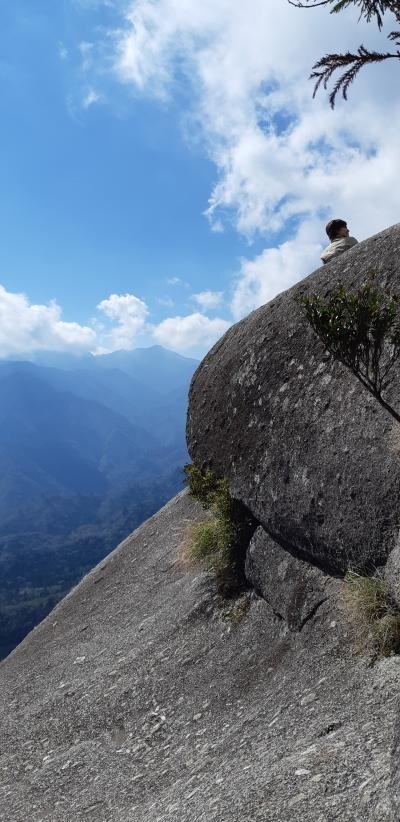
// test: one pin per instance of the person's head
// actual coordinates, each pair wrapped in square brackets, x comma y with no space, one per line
[336,228]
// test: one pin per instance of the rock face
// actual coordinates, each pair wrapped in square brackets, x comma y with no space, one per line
[143,698]
[306,449]
[294,589]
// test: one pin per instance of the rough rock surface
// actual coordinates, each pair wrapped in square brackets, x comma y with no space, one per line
[294,589]
[306,448]
[140,698]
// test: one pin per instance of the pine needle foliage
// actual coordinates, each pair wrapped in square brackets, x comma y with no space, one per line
[324,69]
[361,329]
[350,64]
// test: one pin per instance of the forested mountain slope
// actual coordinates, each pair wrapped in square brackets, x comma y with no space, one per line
[88,451]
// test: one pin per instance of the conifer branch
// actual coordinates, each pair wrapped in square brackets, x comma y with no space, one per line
[368,8]
[324,69]
[352,63]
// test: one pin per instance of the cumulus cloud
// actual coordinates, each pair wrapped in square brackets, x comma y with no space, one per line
[191,332]
[208,299]
[121,323]
[128,314]
[129,325]
[26,328]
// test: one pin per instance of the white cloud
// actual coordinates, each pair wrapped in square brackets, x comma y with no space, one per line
[190,332]
[88,55]
[274,270]
[285,163]
[282,158]
[279,153]
[86,48]
[26,328]
[90,98]
[129,314]
[208,299]
[175,281]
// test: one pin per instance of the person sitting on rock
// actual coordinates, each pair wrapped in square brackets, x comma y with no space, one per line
[341,241]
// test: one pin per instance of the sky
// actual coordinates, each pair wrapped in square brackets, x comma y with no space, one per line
[164,168]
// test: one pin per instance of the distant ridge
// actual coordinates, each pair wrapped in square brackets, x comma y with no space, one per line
[88,450]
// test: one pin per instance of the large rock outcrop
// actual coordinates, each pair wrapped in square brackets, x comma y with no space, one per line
[306,449]
[144,698]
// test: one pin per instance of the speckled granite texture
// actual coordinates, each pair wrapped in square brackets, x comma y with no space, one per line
[141,699]
[306,448]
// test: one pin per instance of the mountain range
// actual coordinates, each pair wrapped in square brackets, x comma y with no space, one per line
[89,448]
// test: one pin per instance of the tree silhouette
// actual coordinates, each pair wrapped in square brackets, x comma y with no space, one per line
[350,63]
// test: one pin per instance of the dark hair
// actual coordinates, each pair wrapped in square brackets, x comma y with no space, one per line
[333,227]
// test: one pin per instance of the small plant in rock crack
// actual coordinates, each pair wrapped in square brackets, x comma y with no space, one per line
[375,617]
[236,612]
[361,329]
[219,542]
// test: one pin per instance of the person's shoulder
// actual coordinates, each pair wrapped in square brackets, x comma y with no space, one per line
[342,243]
[329,251]
[337,247]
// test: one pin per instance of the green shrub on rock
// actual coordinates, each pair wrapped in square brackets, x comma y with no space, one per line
[361,329]
[220,542]
[211,539]
[211,492]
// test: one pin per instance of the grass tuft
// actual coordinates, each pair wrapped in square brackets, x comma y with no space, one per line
[219,542]
[211,540]
[374,615]
[386,635]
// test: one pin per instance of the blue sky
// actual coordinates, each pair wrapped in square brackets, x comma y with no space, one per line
[108,198]
[124,121]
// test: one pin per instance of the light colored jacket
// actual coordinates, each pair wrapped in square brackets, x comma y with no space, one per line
[337,247]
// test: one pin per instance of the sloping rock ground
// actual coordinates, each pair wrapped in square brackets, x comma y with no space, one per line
[140,700]
[307,450]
